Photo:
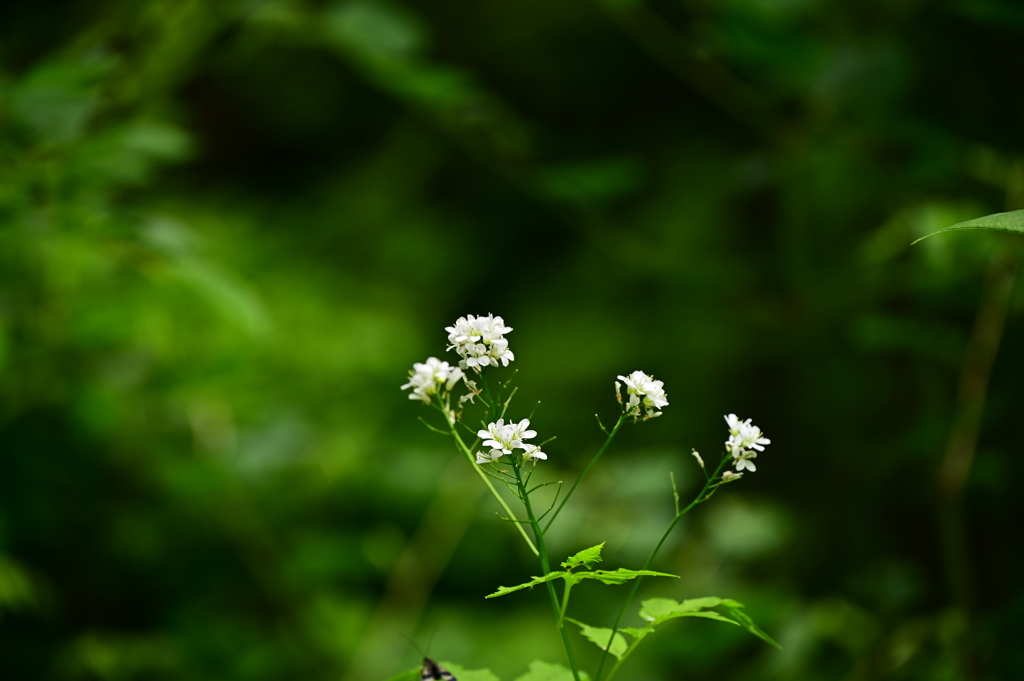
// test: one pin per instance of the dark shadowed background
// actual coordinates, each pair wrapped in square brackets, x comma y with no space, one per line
[228,229]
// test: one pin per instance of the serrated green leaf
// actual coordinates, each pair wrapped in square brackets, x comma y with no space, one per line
[502,590]
[463,674]
[748,624]
[587,557]
[997,222]
[543,671]
[658,610]
[599,637]
[635,633]
[620,576]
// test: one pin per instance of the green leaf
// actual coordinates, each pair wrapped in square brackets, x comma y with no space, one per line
[463,674]
[599,637]
[635,633]
[542,671]
[587,557]
[411,675]
[709,614]
[997,222]
[736,610]
[658,610]
[502,590]
[620,576]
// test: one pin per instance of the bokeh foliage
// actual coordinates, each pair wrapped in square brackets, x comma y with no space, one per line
[227,230]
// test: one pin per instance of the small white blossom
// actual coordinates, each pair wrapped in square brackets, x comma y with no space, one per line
[490,457]
[430,377]
[502,438]
[729,476]
[745,462]
[480,341]
[644,391]
[699,460]
[521,430]
[745,440]
[532,452]
[499,436]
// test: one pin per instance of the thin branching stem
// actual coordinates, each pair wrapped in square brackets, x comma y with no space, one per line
[483,476]
[608,441]
[433,428]
[705,493]
[545,565]
[504,407]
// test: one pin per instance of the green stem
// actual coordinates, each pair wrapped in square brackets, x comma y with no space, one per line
[608,441]
[487,481]
[629,651]
[565,603]
[701,496]
[546,567]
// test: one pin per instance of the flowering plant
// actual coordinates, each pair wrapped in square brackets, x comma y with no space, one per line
[500,453]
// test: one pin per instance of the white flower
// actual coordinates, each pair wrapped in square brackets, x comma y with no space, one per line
[463,331]
[643,390]
[729,476]
[745,440]
[745,462]
[499,436]
[744,435]
[532,452]
[507,436]
[480,341]
[499,352]
[490,457]
[503,437]
[520,430]
[699,460]
[428,378]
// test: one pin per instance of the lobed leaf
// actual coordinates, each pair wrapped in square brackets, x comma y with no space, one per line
[620,576]
[600,636]
[502,590]
[658,610]
[543,671]
[587,557]
[1012,221]
[635,633]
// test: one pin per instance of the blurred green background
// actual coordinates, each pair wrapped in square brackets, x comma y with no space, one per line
[228,229]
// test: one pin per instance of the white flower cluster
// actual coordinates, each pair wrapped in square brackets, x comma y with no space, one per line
[427,379]
[503,437]
[642,390]
[745,441]
[480,341]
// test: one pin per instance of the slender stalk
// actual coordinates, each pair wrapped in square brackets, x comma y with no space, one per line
[702,496]
[487,481]
[545,565]
[625,655]
[565,602]
[608,441]
[975,376]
